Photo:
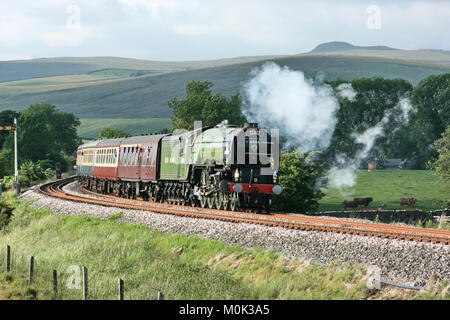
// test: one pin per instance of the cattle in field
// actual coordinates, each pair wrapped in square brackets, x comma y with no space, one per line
[363,201]
[410,202]
[448,204]
[350,204]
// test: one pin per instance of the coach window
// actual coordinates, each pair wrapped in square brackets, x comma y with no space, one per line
[150,155]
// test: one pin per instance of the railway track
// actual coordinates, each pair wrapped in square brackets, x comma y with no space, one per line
[55,189]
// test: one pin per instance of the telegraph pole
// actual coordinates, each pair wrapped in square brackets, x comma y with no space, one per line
[16,169]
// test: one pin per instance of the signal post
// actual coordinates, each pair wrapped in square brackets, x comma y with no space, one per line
[16,184]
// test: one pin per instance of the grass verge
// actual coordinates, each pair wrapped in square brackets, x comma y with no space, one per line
[182,267]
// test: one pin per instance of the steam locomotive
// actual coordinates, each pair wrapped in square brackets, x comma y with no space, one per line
[221,167]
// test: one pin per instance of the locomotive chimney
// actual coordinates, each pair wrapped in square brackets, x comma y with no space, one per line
[250,125]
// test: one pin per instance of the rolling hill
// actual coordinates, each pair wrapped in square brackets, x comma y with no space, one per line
[335,46]
[104,88]
[147,96]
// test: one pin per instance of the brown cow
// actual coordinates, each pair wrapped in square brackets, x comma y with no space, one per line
[363,201]
[410,202]
[350,204]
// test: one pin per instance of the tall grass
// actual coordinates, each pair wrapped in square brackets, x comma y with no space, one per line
[150,261]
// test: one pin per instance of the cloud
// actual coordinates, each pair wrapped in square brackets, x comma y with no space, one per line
[70,37]
[202,29]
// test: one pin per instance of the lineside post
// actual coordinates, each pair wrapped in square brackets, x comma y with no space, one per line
[31,270]
[55,282]
[120,289]
[8,258]
[85,283]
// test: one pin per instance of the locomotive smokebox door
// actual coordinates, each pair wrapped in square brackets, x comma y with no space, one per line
[58,170]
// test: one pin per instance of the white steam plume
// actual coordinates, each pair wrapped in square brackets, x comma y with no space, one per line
[305,112]
[282,98]
[345,90]
[342,174]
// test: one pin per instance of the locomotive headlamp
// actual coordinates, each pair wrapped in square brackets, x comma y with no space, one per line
[237,188]
[276,189]
[275,176]
[236,174]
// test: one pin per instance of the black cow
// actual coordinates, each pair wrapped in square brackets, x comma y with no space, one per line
[350,204]
[363,201]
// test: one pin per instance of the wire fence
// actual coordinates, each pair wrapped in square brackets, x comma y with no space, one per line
[28,275]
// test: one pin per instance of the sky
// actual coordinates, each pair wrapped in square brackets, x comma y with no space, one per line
[174,30]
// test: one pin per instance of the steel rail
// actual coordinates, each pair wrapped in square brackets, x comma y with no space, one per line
[291,222]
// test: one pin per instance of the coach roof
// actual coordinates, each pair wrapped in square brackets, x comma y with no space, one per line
[109,142]
[143,139]
[90,144]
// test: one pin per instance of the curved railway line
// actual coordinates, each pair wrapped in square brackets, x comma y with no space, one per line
[55,189]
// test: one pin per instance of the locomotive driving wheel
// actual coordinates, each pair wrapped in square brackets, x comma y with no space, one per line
[233,201]
[203,201]
[218,198]
[211,202]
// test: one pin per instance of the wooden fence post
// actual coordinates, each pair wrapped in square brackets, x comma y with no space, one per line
[120,289]
[55,282]
[160,295]
[8,258]
[85,283]
[31,270]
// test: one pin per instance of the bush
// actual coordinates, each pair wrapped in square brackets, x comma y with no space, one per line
[299,177]
[442,163]
[29,173]
[5,213]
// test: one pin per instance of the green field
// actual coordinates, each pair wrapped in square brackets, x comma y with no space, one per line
[90,128]
[388,186]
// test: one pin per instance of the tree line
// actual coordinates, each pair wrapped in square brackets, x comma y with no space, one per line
[45,137]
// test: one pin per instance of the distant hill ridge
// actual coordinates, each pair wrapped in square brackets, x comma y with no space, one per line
[99,89]
[343,46]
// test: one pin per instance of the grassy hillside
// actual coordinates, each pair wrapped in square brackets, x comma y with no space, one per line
[388,186]
[429,56]
[19,70]
[90,128]
[148,262]
[47,67]
[147,96]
